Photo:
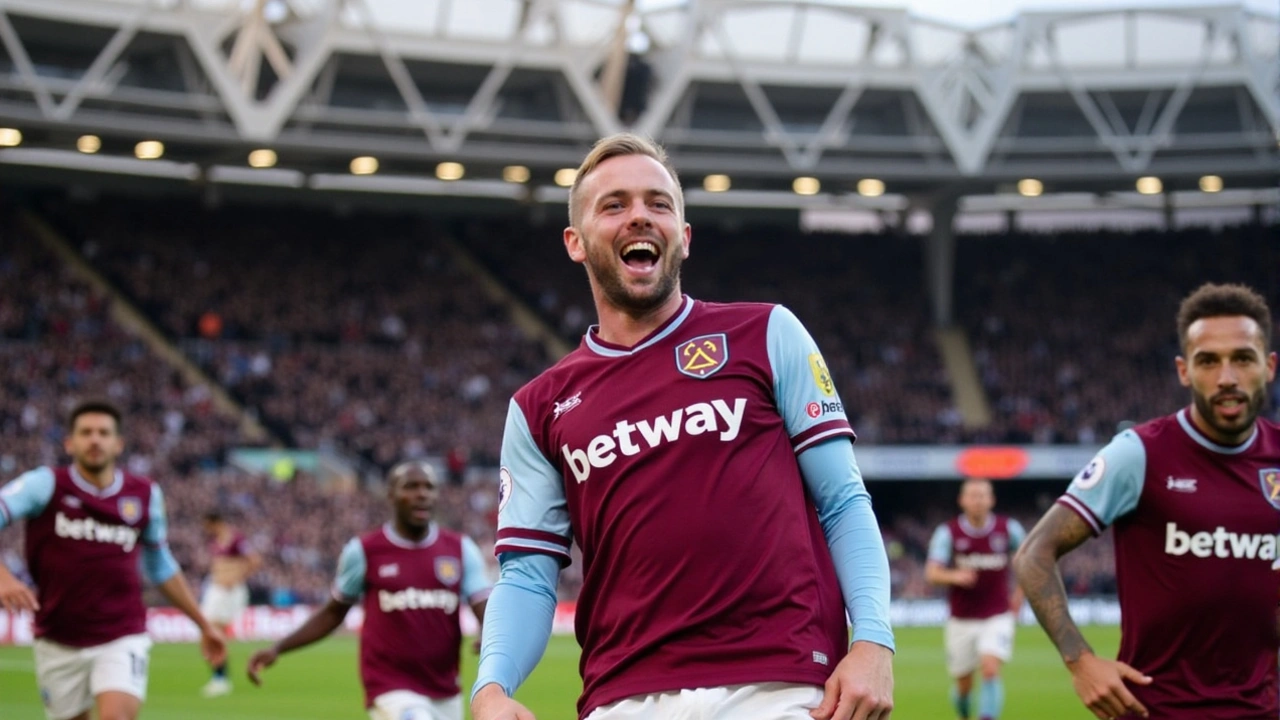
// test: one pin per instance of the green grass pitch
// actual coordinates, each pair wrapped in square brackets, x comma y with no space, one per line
[320,682]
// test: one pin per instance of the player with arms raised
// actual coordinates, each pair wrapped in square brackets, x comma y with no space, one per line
[1193,498]
[92,532]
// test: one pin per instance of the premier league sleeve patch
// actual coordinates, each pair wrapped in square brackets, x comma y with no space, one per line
[1269,479]
[702,356]
[504,488]
[1091,475]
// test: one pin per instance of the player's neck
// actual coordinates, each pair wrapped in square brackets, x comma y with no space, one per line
[1217,436]
[623,328]
[99,479]
[410,533]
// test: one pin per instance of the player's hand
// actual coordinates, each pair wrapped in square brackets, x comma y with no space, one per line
[964,577]
[213,645]
[861,688]
[1101,686]
[259,661]
[16,597]
[492,703]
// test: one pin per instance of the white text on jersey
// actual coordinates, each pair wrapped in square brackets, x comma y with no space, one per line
[415,599]
[982,561]
[94,531]
[1219,543]
[696,419]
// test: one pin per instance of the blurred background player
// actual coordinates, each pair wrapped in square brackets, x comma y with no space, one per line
[92,532]
[970,554]
[1193,497]
[226,594]
[412,574]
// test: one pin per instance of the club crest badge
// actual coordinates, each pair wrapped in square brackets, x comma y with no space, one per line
[1269,479]
[130,509]
[448,570]
[702,356]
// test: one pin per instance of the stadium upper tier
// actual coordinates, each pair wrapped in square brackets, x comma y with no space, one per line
[761,91]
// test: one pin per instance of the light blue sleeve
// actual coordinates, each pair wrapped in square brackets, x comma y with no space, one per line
[940,545]
[803,389]
[1111,484]
[517,620]
[26,495]
[1017,534]
[475,577]
[834,481]
[533,513]
[158,563]
[348,586]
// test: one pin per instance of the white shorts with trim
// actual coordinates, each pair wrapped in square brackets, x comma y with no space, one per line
[406,705]
[70,678]
[968,640]
[773,700]
[223,605]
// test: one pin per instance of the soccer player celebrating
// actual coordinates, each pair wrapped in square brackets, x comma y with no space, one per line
[1193,498]
[226,595]
[412,574]
[970,555]
[700,457]
[92,532]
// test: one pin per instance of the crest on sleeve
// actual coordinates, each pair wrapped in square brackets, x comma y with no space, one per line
[821,376]
[702,356]
[130,509]
[1091,474]
[505,485]
[448,570]
[1269,479]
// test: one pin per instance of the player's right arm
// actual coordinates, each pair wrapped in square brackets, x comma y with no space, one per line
[1107,488]
[25,496]
[936,570]
[533,544]
[347,589]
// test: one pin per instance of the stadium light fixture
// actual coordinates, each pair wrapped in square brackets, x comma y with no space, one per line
[1030,187]
[515,174]
[450,171]
[149,150]
[870,187]
[364,165]
[806,185]
[262,158]
[1149,185]
[89,144]
[1211,184]
[715,183]
[566,176]
[10,137]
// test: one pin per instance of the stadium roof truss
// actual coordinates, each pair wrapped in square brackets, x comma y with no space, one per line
[761,90]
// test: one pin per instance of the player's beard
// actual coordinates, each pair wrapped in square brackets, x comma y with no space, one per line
[1252,408]
[603,266]
[94,465]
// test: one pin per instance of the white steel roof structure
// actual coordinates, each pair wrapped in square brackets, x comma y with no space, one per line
[761,90]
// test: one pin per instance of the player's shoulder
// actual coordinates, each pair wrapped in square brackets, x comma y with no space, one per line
[736,310]
[1161,428]
[1269,432]
[135,483]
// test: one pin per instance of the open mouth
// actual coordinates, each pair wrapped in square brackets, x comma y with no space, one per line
[640,255]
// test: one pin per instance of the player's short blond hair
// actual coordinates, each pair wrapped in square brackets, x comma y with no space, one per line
[619,145]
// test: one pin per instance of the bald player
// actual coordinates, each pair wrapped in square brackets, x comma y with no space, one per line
[411,576]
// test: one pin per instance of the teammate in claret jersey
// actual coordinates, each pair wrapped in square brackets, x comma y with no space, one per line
[93,532]
[226,595]
[1194,500]
[411,576]
[970,554]
[700,456]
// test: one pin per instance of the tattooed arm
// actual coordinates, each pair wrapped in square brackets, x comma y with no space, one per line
[1098,682]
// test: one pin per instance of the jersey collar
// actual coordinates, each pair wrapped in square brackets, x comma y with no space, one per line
[607,349]
[977,531]
[1184,419]
[117,482]
[433,532]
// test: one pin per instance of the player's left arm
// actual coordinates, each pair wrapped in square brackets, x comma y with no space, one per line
[160,567]
[475,584]
[861,686]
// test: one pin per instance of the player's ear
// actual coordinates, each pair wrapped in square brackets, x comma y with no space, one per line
[1183,376]
[574,246]
[1271,367]
[688,238]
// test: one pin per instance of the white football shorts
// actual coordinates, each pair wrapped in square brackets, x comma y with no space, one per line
[774,700]
[223,605]
[968,640]
[70,678]
[406,705]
